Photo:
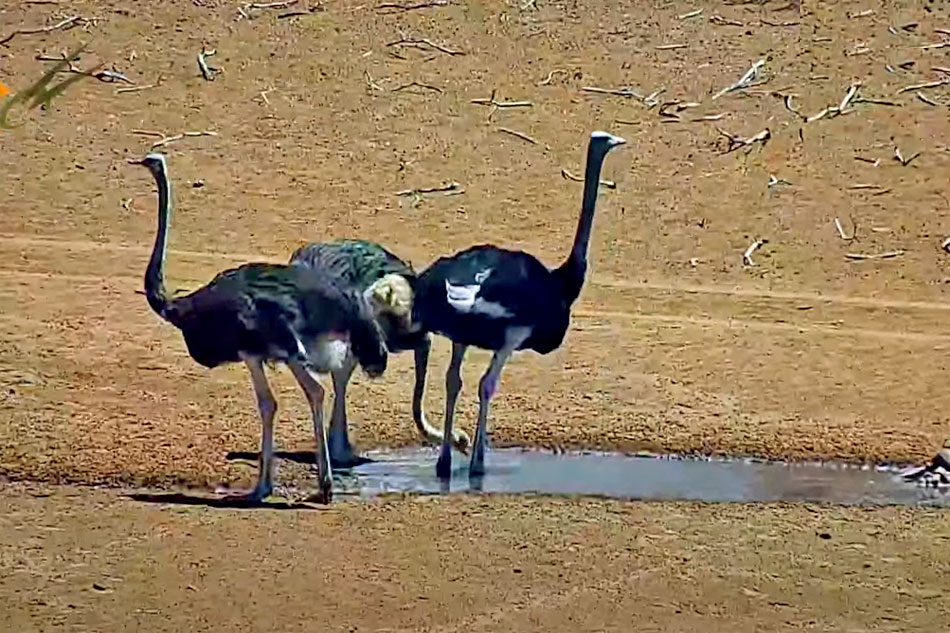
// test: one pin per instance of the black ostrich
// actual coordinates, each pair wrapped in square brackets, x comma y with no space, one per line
[267,313]
[386,282]
[503,300]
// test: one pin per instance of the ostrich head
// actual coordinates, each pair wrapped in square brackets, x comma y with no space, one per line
[391,299]
[603,142]
[155,163]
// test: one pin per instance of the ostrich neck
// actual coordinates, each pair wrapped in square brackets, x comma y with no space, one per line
[572,272]
[155,272]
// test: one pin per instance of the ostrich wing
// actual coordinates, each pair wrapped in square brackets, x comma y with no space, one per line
[358,263]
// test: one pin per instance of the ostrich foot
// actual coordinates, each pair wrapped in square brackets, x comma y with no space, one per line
[342,455]
[443,467]
[325,496]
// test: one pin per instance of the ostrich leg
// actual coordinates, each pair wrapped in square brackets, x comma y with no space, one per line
[487,388]
[341,451]
[315,392]
[459,438]
[267,406]
[453,385]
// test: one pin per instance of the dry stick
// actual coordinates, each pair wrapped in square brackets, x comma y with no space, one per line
[861,14]
[873,161]
[622,92]
[170,139]
[63,24]
[926,99]
[691,14]
[677,107]
[610,184]
[744,82]
[718,19]
[412,7]
[207,71]
[929,84]
[670,47]
[372,84]
[452,188]
[841,232]
[547,81]
[773,181]
[788,106]
[864,256]
[418,43]
[737,142]
[105,76]
[841,108]
[946,245]
[900,157]
[928,47]
[520,135]
[747,255]
[416,84]
[495,105]
[708,117]
[260,6]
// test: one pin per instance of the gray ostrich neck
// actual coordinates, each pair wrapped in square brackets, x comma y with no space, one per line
[155,273]
[573,270]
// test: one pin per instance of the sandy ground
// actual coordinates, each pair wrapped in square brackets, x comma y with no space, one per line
[676,345]
[80,560]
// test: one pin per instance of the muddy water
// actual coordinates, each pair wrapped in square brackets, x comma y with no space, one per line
[639,477]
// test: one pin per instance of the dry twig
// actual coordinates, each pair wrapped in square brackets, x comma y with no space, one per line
[157,83]
[738,142]
[449,189]
[245,10]
[165,140]
[900,157]
[622,92]
[393,7]
[208,72]
[495,105]
[841,232]
[547,80]
[66,23]
[865,256]
[416,84]
[929,84]
[420,42]
[747,255]
[744,82]
[721,21]
[610,184]
[520,135]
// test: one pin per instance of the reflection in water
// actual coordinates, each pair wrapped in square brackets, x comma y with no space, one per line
[648,478]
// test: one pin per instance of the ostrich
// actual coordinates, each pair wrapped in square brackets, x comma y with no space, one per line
[503,300]
[267,313]
[386,282]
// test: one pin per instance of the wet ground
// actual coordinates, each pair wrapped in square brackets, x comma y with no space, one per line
[630,477]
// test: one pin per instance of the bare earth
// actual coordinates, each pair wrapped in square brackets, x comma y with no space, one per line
[676,345]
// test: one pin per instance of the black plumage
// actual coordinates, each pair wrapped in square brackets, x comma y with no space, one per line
[504,300]
[387,282]
[268,313]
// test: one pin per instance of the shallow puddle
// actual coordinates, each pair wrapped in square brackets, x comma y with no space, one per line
[639,477]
